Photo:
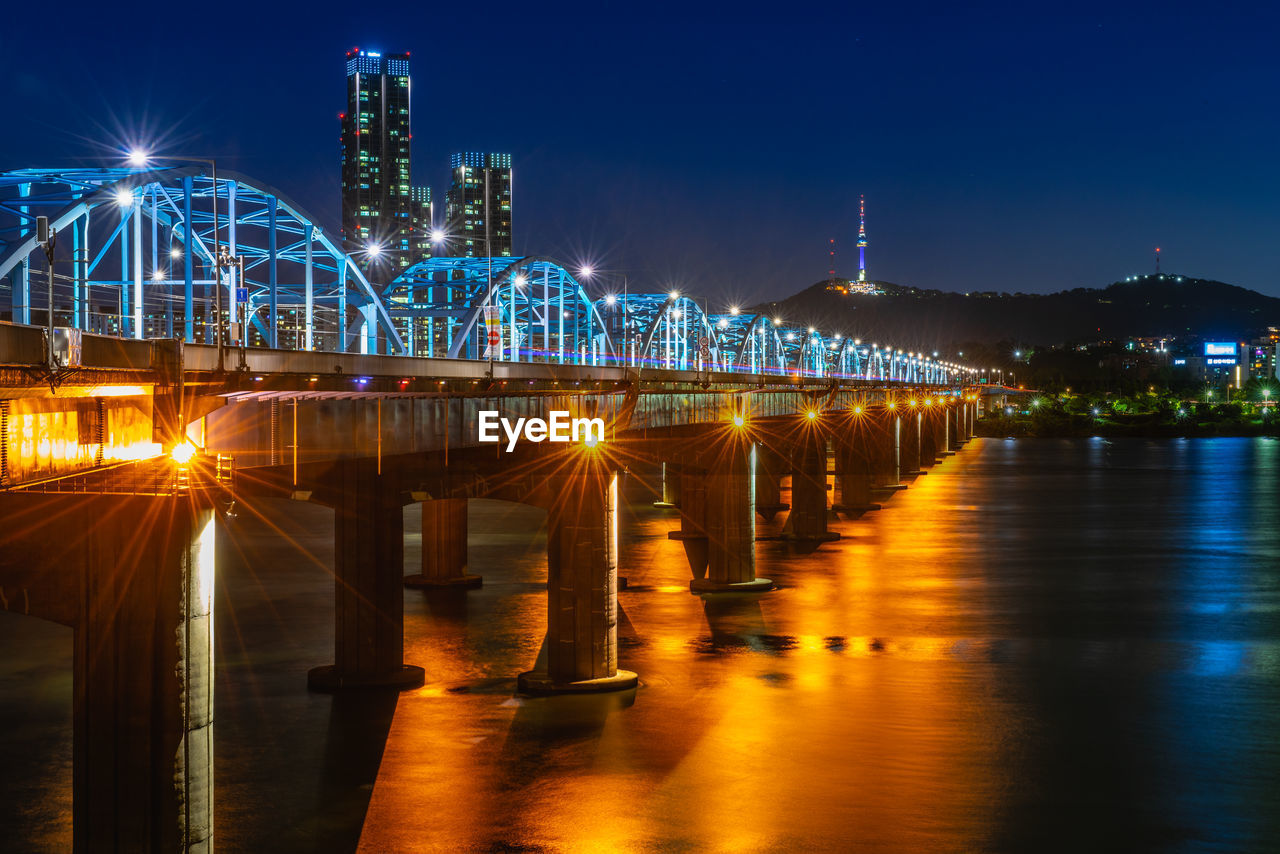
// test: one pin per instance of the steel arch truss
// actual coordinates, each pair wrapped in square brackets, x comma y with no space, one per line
[135,258]
[806,351]
[542,313]
[750,343]
[668,332]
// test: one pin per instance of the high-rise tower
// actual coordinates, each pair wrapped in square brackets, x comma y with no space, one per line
[377,209]
[478,205]
[862,238]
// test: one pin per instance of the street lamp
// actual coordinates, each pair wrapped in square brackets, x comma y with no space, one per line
[141,158]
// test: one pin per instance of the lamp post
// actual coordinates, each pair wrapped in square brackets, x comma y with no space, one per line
[140,158]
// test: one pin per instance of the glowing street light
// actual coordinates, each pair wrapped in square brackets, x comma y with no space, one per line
[175,253]
[138,157]
[610,299]
[182,453]
[675,295]
[124,197]
[437,236]
[733,309]
[586,271]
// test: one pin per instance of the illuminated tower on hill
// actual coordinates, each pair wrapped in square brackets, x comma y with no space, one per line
[862,238]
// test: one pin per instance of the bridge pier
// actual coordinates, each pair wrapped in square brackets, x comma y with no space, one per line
[768,491]
[444,546]
[928,437]
[730,519]
[911,440]
[853,453]
[808,518]
[582,583]
[693,519]
[134,576]
[368,569]
[670,485]
[883,429]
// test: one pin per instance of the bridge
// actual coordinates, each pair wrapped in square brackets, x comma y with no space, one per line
[135,412]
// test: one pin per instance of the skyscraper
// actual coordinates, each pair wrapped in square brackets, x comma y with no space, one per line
[377,208]
[478,205]
[423,219]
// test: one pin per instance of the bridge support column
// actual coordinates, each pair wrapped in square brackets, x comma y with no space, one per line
[910,438]
[582,585]
[731,519]
[958,433]
[929,423]
[444,546]
[693,518]
[883,430]
[134,576]
[368,581]
[768,490]
[853,467]
[670,484]
[808,519]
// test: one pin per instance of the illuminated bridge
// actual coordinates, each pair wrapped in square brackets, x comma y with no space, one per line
[190,368]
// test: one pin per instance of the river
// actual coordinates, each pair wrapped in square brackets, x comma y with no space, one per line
[1042,645]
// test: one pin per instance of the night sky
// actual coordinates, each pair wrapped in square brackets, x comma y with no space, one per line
[1011,148]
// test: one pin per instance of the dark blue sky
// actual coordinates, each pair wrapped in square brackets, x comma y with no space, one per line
[1028,147]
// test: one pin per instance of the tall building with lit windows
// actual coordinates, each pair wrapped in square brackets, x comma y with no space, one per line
[377,196]
[478,206]
[422,216]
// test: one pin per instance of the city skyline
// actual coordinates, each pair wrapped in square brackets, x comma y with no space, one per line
[1063,175]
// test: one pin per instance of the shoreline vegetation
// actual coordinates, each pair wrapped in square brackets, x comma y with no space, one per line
[1144,416]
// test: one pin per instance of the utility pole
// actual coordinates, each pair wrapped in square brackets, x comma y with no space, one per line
[47,237]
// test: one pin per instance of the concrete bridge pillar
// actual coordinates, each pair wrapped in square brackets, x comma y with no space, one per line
[368,582]
[730,518]
[670,485]
[582,582]
[769,468]
[929,423]
[955,434]
[883,428]
[808,519]
[853,454]
[134,576]
[910,435]
[444,546]
[693,518]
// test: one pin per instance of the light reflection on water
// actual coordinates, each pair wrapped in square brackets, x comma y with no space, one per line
[1039,646]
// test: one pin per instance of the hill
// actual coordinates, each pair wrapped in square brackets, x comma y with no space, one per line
[1167,306]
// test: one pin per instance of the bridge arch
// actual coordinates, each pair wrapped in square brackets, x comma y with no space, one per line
[849,358]
[806,351]
[668,331]
[157,224]
[750,343]
[545,314]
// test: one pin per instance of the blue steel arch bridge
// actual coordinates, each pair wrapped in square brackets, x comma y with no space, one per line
[136,257]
